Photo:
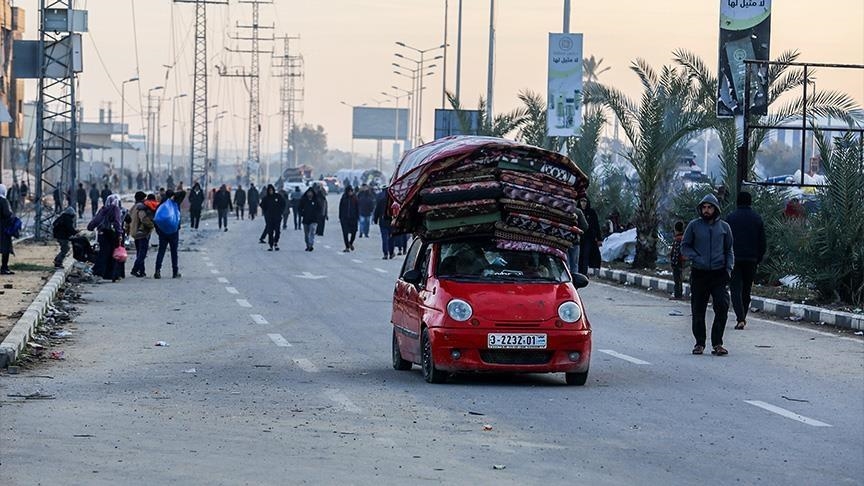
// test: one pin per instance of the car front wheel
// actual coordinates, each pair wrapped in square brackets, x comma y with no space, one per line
[430,373]
[399,363]
[578,379]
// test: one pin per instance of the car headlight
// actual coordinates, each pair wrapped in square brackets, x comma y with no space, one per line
[459,310]
[569,312]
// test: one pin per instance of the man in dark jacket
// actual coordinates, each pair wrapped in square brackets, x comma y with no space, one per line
[254,199]
[240,203]
[296,196]
[382,218]
[748,231]
[94,200]
[310,213]
[286,213]
[366,206]
[81,199]
[196,204]
[63,231]
[272,207]
[708,244]
[105,193]
[349,214]
[222,203]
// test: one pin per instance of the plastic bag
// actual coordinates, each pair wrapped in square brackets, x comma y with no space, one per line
[120,254]
[167,218]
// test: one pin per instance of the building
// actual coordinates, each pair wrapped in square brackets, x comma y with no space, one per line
[11,89]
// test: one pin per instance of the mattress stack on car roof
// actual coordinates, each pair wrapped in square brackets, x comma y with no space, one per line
[522,196]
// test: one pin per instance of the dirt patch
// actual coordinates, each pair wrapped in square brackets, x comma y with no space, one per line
[33,264]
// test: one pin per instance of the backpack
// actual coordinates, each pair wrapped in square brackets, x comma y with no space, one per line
[57,229]
[14,227]
[167,217]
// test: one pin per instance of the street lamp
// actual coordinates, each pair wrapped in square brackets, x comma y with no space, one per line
[216,142]
[396,130]
[352,129]
[173,122]
[416,85]
[123,126]
[150,134]
[420,67]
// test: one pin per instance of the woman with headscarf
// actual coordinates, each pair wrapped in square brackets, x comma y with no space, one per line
[589,253]
[109,226]
[6,215]
[321,197]
[272,207]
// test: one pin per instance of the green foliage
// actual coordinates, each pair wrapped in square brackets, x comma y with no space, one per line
[833,253]
[583,149]
[311,144]
[611,191]
[501,125]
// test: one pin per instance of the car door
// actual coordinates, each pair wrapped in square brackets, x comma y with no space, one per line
[415,295]
[404,298]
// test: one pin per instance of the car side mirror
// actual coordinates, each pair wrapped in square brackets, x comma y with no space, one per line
[580,281]
[413,277]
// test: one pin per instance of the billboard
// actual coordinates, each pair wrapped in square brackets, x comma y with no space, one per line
[380,123]
[456,122]
[745,33]
[564,109]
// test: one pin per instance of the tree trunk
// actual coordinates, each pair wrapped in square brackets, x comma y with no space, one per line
[646,234]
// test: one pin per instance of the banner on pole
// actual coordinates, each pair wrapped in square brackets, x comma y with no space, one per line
[745,33]
[564,93]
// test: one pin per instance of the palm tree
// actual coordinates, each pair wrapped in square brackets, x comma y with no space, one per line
[591,70]
[532,129]
[501,124]
[668,112]
[782,79]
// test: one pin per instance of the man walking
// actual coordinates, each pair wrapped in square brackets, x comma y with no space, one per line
[296,197]
[222,203]
[272,207]
[167,222]
[708,244]
[254,199]
[81,199]
[382,218]
[63,230]
[140,227]
[366,206]
[310,212]
[196,204]
[94,200]
[748,231]
[240,202]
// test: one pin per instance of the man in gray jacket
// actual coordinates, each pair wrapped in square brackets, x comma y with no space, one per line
[707,243]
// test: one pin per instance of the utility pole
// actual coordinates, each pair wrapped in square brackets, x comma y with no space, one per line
[490,77]
[56,120]
[253,152]
[198,145]
[291,98]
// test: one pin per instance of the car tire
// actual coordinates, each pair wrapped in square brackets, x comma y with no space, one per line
[577,379]
[430,373]
[399,364]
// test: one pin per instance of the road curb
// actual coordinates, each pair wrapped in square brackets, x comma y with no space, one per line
[779,308]
[21,332]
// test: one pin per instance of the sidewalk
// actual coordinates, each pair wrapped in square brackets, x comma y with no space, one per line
[777,308]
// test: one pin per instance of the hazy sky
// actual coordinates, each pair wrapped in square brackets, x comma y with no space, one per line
[348,46]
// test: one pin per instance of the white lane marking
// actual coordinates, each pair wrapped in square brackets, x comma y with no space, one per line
[258,319]
[787,413]
[328,246]
[812,331]
[624,357]
[310,276]
[232,290]
[306,365]
[243,303]
[205,258]
[380,270]
[536,445]
[278,340]
[341,399]
[214,272]
[356,260]
[209,264]
[223,280]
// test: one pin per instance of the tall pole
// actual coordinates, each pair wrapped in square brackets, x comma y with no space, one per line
[173,122]
[491,73]
[459,56]
[123,129]
[444,82]
[566,16]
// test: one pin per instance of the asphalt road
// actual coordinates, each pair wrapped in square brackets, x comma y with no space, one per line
[278,372]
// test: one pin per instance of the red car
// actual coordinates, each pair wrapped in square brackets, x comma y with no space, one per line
[468,306]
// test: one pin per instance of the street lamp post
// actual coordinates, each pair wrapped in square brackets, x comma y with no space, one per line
[151,119]
[420,67]
[416,86]
[410,95]
[396,129]
[123,126]
[173,122]
[216,141]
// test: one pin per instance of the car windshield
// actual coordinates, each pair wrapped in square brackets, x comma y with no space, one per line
[482,261]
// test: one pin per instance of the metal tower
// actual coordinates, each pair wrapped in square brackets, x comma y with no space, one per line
[56,121]
[253,152]
[291,99]
[198,146]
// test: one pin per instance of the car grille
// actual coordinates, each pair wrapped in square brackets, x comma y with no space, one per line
[515,356]
[525,324]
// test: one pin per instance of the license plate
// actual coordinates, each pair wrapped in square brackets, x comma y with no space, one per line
[516,341]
